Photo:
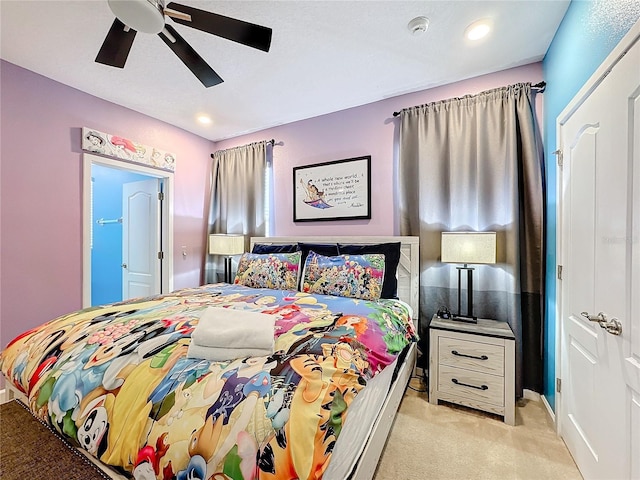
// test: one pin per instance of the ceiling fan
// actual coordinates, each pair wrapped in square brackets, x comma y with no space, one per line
[148,16]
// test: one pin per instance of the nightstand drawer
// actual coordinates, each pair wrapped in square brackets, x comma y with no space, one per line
[471,355]
[474,386]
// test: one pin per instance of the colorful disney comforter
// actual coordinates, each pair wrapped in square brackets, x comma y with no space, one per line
[116,381]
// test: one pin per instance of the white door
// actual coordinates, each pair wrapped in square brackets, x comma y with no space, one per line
[599,228]
[140,239]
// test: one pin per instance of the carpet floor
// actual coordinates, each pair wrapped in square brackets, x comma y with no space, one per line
[31,450]
[442,442]
[447,442]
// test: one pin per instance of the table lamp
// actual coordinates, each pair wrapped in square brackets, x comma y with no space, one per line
[227,245]
[468,248]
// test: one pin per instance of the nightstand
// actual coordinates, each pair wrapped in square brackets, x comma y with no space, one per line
[473,365]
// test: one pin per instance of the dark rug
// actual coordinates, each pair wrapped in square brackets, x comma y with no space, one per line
[30,449]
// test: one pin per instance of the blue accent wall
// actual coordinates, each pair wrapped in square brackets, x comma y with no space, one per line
[588,33]
[106,251]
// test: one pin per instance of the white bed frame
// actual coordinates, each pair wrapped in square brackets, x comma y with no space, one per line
[408,287]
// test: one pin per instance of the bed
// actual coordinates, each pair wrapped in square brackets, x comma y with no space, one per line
[125,384]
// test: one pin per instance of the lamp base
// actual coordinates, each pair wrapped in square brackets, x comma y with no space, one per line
[471,318]
[227,269]
[465,319]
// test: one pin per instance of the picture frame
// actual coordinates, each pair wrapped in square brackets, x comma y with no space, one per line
[335,190]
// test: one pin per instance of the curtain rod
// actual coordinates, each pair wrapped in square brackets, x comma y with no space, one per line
[272,142]
[540,86]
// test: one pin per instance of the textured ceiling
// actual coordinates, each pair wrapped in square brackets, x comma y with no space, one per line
[325,55]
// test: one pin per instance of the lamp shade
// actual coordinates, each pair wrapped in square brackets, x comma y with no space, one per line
[468,247]
[226,244]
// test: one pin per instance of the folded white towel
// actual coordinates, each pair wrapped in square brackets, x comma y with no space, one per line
[219,354]
[230,328]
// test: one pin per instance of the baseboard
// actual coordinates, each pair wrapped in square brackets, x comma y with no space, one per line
[9,393]
[550,411]
[536,397]
[530,395]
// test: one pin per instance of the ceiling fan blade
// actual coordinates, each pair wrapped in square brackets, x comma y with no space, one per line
[117,44]
[239,31]
[190,57]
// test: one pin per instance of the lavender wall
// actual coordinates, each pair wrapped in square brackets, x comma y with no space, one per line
[365,130]
[41,203]
[41,197]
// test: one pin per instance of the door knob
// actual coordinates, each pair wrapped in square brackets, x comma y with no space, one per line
[124,265]
[613,326]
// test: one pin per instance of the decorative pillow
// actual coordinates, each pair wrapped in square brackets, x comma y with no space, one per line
[391,252]
[278,271]
[355,276]
[327,249]
[266,248]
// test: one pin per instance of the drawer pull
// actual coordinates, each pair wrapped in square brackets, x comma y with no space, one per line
[481,387]
[483,357]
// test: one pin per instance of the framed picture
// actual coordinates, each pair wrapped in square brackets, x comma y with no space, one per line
[337,190]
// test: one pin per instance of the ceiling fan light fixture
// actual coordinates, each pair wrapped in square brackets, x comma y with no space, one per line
[142,15]
[148,16]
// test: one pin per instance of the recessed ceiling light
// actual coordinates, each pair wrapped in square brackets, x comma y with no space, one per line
[418,25]
[204,119]
[477,30]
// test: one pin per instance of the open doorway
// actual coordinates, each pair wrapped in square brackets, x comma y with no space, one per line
[128,230]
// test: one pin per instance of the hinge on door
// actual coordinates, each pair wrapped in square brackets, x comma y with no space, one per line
[160,255]
[559,272]
[160,196]
[558,154]
[558,385]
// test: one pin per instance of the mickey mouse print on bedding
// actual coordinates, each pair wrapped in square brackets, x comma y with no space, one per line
[116,381]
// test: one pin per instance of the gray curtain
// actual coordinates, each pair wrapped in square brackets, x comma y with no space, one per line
[476,163]
[238,183]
